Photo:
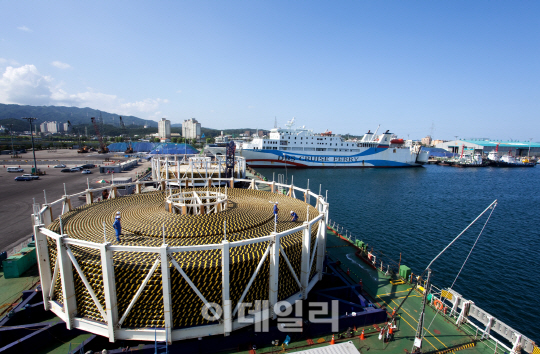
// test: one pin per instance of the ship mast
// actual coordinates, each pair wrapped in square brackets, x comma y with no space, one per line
[419,330]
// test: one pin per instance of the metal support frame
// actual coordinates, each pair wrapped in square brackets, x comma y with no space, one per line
[290,267]
[66,206]
[166,284]
[455,306]
[193,286]
[44,265]
[488,328]
[305,261]
[253,276]
[225,281]
[112,325]
[274,274]
[516,345]
[109,289]
[139,291]
[85,282]
[68,285]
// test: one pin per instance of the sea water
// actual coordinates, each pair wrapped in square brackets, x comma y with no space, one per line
[416,212]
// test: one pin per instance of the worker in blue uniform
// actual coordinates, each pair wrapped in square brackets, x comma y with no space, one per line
[117,226]
[294,216]
[275,210]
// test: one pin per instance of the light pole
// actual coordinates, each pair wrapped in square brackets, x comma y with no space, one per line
[30,120]
[13,154]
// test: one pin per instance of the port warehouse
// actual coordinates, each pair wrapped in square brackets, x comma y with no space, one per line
[484,146]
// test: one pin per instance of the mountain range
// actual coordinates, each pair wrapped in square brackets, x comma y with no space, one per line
[62,114]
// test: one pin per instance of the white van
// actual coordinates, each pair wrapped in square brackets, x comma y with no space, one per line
[15,169]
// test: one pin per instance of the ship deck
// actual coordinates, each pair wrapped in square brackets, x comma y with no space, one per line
[442,335]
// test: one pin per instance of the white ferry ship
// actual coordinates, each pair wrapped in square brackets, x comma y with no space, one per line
[300,147]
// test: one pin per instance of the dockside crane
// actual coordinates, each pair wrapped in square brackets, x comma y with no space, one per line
[103,148]
[129,149]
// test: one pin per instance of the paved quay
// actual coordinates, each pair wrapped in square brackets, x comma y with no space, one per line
[18,196]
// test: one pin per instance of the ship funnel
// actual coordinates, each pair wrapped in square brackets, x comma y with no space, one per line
[368,136]
[385,138]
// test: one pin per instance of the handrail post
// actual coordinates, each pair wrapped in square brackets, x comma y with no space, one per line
[321,245]
[306,252]
[44,264]
[46,216]
[109,289]
[225,281]
[166,283]
[274,275]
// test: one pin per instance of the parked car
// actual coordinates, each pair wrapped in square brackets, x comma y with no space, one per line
[76,169]
[86,171]
[23,178]
[31,176]
[15,169]
[60,166]
[88,165]
[66,170]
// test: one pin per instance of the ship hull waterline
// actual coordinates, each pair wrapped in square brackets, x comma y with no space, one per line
[370,158]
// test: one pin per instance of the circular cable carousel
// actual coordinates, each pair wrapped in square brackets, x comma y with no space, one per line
[179,250]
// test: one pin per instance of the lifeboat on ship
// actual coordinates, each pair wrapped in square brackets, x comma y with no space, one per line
[397,141]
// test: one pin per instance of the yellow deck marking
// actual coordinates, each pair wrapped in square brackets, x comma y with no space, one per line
[395,292]
[424,327]
[412,327]
[406,296]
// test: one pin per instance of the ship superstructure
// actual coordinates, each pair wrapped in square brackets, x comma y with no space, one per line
[301,147]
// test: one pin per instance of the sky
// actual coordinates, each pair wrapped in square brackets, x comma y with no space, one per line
[443,68]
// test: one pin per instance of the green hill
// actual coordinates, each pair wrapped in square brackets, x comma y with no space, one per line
[12,113]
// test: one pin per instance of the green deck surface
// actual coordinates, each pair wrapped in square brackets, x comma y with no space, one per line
[442,333]
[11,289]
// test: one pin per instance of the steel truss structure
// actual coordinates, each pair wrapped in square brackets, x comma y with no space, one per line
[194,167]
[111,325]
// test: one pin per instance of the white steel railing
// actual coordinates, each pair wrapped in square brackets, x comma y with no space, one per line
[111,326]
[453,304]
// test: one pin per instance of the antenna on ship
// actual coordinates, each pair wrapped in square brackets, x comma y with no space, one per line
[417,347]
[275,122]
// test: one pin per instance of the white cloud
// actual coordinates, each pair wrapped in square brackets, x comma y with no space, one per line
[25,85]
[11,62]
[146,105]
[24,28]
[60,65]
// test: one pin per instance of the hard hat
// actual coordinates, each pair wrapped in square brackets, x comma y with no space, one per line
[117,213]
[292,211]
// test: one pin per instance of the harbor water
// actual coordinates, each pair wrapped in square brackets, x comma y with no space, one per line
[418,211]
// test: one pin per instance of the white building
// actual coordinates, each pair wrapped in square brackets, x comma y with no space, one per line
[164,129]
[49,127]
[191,129]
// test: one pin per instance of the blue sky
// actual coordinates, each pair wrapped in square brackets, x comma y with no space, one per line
[465,68]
